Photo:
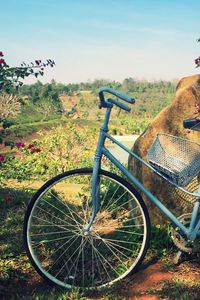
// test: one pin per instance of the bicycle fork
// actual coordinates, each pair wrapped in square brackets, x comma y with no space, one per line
[95,192]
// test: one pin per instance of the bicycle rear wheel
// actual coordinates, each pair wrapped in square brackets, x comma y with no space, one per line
[59,248]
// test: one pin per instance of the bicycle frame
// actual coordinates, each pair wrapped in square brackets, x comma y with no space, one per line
[191,232]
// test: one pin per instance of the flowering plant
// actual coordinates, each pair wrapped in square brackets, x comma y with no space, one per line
[197,60]
[11,77]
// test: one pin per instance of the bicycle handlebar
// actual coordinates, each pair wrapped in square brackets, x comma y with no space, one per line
[104,103]
[119,104]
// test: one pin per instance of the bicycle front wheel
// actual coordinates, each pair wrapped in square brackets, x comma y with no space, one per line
[64,253]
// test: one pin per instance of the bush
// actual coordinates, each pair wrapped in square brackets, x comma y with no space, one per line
[58,150]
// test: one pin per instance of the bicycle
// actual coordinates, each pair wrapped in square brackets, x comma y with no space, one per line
[89,228]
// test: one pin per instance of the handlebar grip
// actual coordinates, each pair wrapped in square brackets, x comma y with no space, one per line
[122,96]
[119,104]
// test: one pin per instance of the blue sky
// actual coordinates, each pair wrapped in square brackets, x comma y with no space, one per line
[92,39]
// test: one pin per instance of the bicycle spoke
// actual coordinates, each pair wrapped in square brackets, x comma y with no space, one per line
[129,232]
[102,202]
[110,200]
[63,254]
[119,241]
[133,218]
[92,248]
[72,216]
[70,210]
[48,213]
[102,263]
[83,272]
[77,260]
[130,226]
[68,255]
[118,200]
[50,267]
[118,207]
[111,245]
[118,258]
[106,260]
[95,257]
[65,264]
[48,241]
[119,228]
[50,225]
[60,226]
[120,246]
[48,233]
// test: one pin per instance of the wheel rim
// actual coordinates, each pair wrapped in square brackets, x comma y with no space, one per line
[71,256]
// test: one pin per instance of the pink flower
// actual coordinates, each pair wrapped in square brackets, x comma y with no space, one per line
[36,150]
[8,197]
[2,158]
[20,145]
[30,146]
[197,60]
[1,53]
[2,61]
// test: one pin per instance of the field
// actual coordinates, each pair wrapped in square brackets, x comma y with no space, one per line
[56,130]
[158,277]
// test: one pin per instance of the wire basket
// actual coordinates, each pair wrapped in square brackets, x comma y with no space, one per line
[175,157]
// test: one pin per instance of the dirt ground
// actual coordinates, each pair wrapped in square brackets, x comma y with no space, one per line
[152,280]
[156,279]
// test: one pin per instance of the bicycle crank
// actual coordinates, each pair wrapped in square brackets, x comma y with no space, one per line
[181,242]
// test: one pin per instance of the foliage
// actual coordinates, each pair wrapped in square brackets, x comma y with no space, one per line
[9,106]
[18,280]
[10,80]
[39,103]
[135,125]
[11,77]
[161,242]
[81,100]
[180,289]
[63,148]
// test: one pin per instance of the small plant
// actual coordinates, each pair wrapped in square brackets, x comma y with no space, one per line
[161,243]
[180,290]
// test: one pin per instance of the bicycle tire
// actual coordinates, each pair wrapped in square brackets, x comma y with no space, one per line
[115,246]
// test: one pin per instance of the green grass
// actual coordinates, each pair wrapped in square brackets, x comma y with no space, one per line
[117,126]
[160,242]
[18,280]
[180,290]
[21,131]
[14,264]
